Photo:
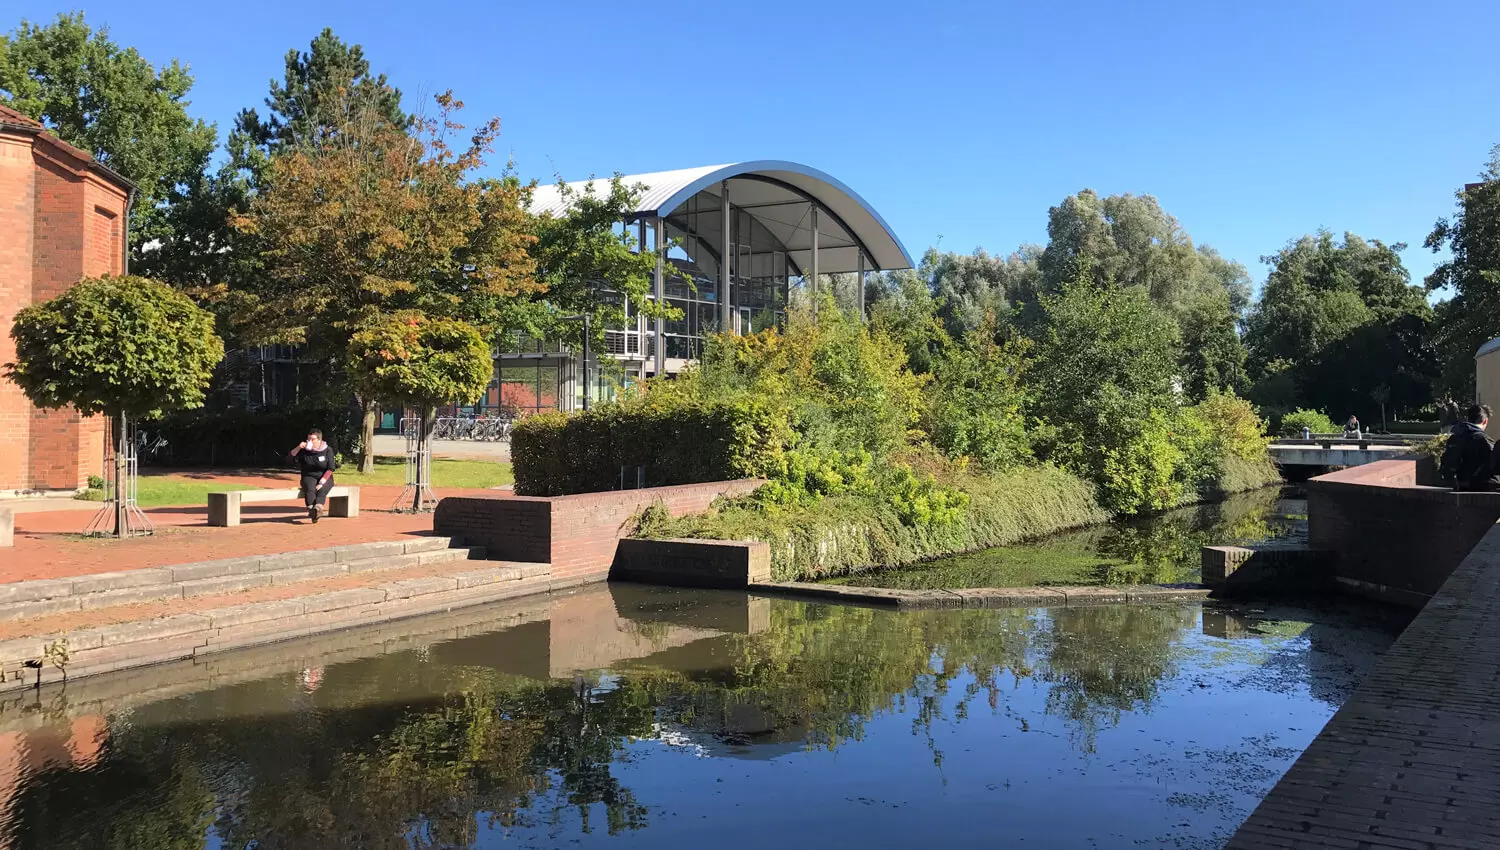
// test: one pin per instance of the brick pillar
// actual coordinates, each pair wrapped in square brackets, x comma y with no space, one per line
[17,210]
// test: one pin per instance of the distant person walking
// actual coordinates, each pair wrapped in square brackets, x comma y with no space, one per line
[315,459]
[1351,428]
[1469,459]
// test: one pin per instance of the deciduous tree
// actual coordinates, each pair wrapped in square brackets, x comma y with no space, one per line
[1471,315]
[370,218]
[126,347]
[113,103]
[409,360]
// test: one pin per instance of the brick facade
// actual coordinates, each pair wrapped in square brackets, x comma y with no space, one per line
[1394,540]
[577,535]
[62,218]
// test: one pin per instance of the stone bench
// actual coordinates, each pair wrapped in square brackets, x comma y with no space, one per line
[224,508]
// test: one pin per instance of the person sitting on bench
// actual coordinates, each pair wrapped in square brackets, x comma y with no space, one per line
[316,460]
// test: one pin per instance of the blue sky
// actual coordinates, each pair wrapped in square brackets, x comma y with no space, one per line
[1251,122]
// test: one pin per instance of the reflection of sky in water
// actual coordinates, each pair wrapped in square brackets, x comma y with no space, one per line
[727,722]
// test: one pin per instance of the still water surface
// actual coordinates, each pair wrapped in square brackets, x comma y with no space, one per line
[1159,549]
[626,716]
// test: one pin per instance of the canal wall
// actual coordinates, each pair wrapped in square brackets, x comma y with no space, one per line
[577,535]
[1412,758]
[1394,539]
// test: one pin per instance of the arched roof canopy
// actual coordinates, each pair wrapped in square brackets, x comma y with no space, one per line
[780,196]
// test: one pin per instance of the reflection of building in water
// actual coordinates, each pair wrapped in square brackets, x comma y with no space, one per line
[600,628]
[741,731]
[1226,624]
[23,754]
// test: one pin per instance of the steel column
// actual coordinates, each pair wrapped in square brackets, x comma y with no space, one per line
[725,259]
[661,300]
[813,282]
[859,281]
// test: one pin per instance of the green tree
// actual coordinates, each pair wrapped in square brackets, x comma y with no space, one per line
[126,347]
[111,102]
[1335,321]
[410,360]
[976,403]
[588,261]
[377,218]
[1133,243]
[1103,379]
[323,90]
[1471,276]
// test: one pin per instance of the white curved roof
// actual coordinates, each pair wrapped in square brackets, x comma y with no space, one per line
[847,224]
[1492,345]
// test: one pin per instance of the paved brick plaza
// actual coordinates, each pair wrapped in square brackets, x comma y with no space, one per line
[1412,760]
[48,545]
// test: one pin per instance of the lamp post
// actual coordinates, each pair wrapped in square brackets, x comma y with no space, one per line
[584,317]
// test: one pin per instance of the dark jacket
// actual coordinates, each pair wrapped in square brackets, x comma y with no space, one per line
[1468,461]
[316,462]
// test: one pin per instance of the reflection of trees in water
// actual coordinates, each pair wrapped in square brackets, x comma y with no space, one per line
[275,767]
[1105,661]
[1165,548]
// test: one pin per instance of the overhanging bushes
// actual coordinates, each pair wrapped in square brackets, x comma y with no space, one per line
[849,533]
[556,455]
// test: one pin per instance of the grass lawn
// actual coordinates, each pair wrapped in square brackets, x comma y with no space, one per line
[162,489]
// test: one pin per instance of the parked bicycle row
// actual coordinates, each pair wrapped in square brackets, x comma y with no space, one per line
[483,428]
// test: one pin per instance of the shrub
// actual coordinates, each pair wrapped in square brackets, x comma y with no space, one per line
[848,533]
[975,405]
[556,454]
[1314,420]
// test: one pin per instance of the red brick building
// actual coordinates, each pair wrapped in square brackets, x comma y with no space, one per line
[62,218]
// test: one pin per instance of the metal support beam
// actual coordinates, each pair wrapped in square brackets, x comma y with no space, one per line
[813,282]
[640,321]
[859,282]
[726,259]
[661,299]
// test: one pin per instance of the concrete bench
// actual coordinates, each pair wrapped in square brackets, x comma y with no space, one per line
[224,508]
[7,528]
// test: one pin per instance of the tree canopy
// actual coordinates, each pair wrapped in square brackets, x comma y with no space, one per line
[115,345]
[1471,276]
[113,103]
[1335,322]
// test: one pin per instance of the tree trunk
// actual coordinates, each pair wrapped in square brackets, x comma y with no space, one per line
[120,473]
[367,440]
[424,455]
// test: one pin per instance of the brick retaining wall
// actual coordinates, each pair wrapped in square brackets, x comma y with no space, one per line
[1394,540]
[577,534]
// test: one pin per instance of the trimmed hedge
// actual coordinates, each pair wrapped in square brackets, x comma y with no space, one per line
[243,438]
[555,454]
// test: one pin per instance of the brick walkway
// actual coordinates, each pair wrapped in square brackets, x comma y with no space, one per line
[48,544]
[1412,760]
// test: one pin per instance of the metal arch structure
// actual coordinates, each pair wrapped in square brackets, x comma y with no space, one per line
[666,191]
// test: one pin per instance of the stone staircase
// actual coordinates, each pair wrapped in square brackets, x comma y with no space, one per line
[111,621]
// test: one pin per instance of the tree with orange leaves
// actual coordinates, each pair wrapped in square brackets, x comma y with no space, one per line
[367,218]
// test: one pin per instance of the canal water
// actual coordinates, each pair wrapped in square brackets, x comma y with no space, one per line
[1160,549]
[627,716]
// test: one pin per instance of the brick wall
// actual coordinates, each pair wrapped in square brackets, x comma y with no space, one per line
[17,217]
[61,219]
[577,534]
[1394,539]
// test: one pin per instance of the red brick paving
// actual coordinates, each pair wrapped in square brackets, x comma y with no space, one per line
[48,544]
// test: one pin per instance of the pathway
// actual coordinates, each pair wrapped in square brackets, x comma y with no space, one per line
[48,544]
[1412,759]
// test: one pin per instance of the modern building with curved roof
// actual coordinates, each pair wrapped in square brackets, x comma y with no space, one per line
[778,223]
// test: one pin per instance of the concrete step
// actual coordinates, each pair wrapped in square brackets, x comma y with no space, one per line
[27,599]
[192,633]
